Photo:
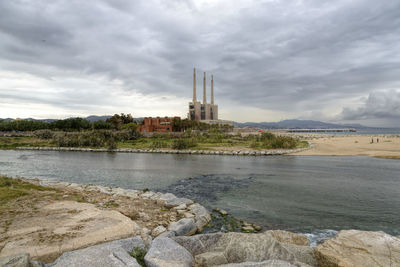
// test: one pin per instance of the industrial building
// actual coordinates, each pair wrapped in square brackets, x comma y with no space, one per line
[203,111]
[160,125]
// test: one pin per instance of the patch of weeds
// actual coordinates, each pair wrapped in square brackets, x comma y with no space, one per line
[138,253]
[164,209]
[111,204]
[73,211]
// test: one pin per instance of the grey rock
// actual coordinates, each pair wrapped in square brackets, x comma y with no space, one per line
[167,196]
[268,263]
[240,247]
[115,253]
[174,202]
[167,234]
[211,259]
[185,226]
[304,254]
[198,244]
[165,252]
[202,216]
[19,260]
[158,231]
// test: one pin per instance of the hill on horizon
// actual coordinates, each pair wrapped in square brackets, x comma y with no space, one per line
[297,124]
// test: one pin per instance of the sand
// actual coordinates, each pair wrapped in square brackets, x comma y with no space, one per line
[353,145]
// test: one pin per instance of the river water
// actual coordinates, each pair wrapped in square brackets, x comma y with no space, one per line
[298,193]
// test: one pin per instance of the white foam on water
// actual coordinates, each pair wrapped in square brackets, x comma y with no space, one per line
[319,236]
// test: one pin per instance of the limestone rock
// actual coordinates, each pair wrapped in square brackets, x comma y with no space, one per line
[304,254]
[180,207]
[268,263]
[87,225]
[167,234]
[240,248]
[174,202]
[289,237]
[158,231]
[185,226]
[111,254]
[359,248]
[198,244]
[211,259]
[201,215]
[19,260]
[165,252]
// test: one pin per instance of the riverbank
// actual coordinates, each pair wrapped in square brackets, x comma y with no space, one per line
[50,218]
[383,146]
[230,152]
[46,218]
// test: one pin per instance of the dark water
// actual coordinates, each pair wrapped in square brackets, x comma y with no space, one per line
[287,192]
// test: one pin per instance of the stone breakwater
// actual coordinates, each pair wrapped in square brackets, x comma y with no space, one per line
[106,214]
[171,151]
[350,248]
[176,243]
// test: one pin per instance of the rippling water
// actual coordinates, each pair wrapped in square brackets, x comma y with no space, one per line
[297,193]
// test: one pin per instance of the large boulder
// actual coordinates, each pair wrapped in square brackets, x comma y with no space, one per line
[184,226]
[174,202]
[111,254]
[19,260]
[165,252]
[198,244]
[78,224]
[201,215]
[268,263]
[359,248]
[240,247]
[289,237]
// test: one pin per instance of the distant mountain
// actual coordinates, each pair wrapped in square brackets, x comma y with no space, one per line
[296,124]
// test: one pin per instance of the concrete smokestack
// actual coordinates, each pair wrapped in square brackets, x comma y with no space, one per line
[194,85]
[204,90]
[212,89]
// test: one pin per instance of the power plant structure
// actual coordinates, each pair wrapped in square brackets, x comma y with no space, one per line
[197,110]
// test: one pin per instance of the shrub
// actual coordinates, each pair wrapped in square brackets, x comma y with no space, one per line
[157,143]
[43,134]
[183,143]
[138,253]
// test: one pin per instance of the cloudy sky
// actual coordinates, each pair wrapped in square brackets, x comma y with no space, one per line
[335,61]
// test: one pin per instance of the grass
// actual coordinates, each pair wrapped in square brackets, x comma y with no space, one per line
[138,253]
[208,141]
[14,142]
[14,188]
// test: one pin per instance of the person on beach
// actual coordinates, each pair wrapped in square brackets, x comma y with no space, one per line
[372,140]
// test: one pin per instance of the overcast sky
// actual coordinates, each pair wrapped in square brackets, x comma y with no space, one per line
[336,61]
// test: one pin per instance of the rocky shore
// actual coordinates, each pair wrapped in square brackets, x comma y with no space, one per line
[144,228]
[171,151]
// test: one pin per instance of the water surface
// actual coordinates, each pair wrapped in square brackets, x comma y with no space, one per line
[299,193]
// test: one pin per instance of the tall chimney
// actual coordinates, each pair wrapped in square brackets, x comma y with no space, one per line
[204,89]
[194,86]
[212,89]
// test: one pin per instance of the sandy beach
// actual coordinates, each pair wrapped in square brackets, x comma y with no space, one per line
[353,145]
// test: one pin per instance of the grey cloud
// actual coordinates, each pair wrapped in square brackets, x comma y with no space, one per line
[293,56]
[378,105]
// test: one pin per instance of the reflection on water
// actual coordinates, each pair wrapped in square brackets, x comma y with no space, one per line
[296,193]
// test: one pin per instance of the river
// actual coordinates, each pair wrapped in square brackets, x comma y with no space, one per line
[298,193]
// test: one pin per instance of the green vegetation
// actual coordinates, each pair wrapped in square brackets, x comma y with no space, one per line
[120,131]
[130,138]
[14,188]
[138,253]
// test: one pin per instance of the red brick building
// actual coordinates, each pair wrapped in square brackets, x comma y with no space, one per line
[159,125]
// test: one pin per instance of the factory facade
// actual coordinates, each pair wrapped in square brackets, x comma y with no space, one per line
[203,111]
